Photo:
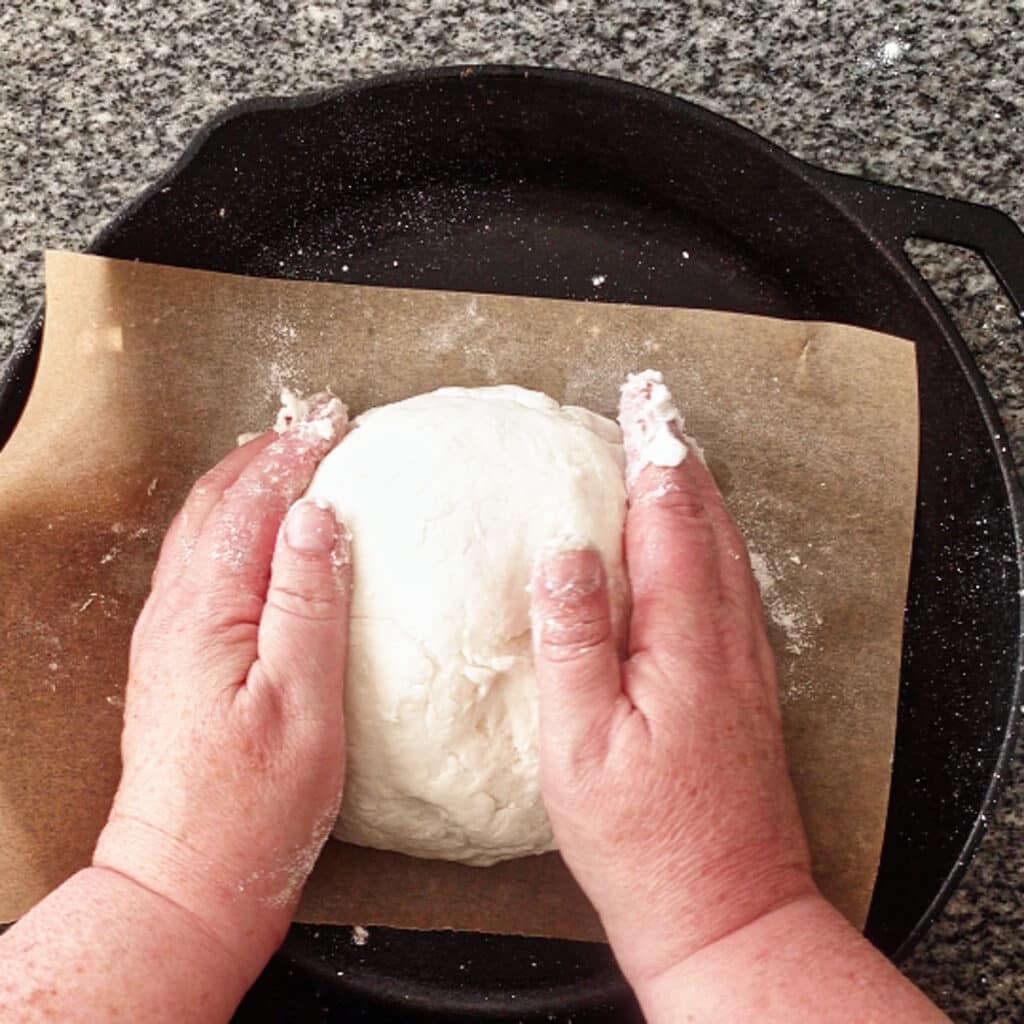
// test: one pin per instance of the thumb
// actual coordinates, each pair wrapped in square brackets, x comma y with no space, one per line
[304,626]
[575,654]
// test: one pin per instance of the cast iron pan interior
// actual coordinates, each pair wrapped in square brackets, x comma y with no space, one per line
[533,182]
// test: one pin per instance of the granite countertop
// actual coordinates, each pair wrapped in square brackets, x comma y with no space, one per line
[97,98]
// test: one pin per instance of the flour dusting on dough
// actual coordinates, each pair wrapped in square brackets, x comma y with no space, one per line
[451,496]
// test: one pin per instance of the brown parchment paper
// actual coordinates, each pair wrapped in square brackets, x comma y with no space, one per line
[148,374]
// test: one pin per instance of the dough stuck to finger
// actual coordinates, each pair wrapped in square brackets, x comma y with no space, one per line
[450,497]
[322,415]
[652,426]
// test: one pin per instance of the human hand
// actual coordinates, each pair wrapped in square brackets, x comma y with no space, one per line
[664,775]
[233,753]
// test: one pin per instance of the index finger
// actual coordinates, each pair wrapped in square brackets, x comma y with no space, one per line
[671,543]
[232,558]
[180,539]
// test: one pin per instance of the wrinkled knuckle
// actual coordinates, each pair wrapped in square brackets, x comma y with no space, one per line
[566,639]
[218,606]
[206,647]
[685,507]
[314,600]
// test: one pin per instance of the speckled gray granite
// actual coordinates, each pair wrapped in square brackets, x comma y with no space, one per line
[96,98]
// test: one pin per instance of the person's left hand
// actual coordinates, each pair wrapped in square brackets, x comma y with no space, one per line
[233,744]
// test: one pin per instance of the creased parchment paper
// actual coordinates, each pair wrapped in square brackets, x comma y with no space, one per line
[148,374]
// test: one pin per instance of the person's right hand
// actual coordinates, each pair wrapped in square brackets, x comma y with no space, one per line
[664,775]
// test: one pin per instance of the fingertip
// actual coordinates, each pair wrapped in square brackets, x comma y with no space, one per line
[303,627]
[245,530]
[567,575]
[570,611]
[317,422]
[575,653]
[652,426]
[311,528]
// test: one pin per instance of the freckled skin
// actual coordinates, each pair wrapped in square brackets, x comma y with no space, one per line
[663,774]
[233,755]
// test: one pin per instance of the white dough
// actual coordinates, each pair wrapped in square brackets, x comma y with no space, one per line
[449,497]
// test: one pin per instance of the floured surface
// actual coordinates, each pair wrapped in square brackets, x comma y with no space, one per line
[149,374]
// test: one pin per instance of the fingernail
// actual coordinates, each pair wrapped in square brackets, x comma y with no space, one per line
[571,576]
[311,527]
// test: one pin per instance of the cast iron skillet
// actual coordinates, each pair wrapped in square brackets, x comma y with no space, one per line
[532,182]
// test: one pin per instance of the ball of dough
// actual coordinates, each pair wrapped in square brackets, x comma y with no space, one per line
[449,497]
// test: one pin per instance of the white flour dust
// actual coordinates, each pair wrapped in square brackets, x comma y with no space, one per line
[789,614]
[125,535]
[595,373]
[280,885]
[652,426]
[467,332]
[282,367]
[277,358]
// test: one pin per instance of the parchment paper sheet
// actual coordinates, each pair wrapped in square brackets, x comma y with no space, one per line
[148,374]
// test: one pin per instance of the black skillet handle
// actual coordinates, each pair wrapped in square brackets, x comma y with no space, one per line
[896,214]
